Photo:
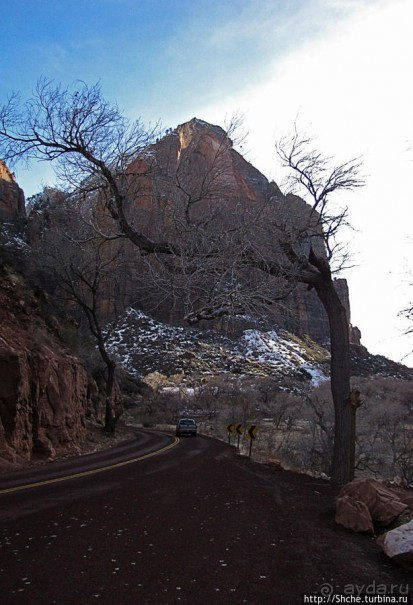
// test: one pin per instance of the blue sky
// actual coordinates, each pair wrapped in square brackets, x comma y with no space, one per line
[157,58]
[342,68]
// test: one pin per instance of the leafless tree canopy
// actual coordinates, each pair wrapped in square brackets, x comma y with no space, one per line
[75,126]
[87,137]
[316,177]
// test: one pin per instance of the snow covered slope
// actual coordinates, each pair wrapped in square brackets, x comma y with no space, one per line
[143,345]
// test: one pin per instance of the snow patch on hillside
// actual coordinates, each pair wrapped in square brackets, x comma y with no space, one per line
[144,345]
[274,349]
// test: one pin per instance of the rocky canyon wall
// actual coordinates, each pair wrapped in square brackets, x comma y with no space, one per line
[46,394]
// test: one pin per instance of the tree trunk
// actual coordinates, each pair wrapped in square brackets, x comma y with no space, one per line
[110,422]
[344,430]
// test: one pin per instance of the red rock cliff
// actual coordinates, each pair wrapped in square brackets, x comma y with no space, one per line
[187,157]
[46,394]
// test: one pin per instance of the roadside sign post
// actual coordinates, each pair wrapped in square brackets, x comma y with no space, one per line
[251,435]
[239,430]
[230,429]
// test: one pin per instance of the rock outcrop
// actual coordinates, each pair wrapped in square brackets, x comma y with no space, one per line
[364,502]
[46,394]
[12,202]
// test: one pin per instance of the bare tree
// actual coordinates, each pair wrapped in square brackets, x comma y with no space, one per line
[290,242]
[312,251]
[84,283]
[82,270]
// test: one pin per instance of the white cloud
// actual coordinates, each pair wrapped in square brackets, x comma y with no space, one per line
[353,88]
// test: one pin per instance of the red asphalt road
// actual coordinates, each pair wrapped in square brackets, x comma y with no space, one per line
[195,525]
[143,444]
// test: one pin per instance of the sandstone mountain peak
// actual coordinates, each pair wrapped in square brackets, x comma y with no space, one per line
[208,139]
[196,127]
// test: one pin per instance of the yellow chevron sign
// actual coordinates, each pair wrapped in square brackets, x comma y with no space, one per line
[252,431]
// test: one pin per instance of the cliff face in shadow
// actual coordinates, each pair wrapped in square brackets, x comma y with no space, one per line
[46,394]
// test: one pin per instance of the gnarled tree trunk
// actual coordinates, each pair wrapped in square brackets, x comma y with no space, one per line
[344,412]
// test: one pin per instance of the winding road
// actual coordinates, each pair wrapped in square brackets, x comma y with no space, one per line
[195,524]
[144,445]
